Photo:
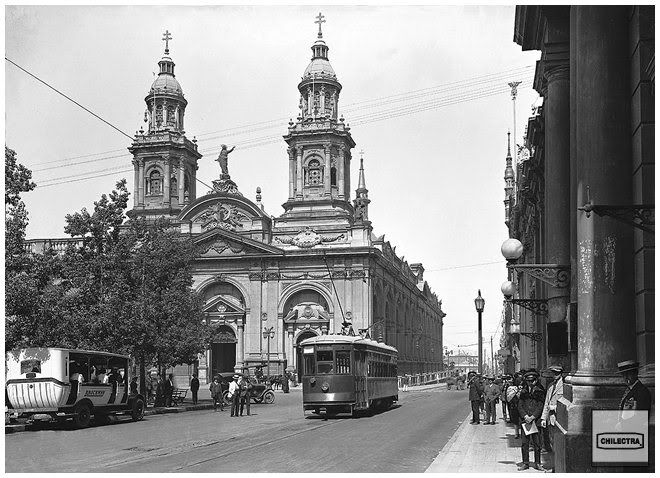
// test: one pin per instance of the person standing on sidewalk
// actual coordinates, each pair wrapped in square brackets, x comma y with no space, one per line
[503,387]
[475,392]
[530,408]
[491,396]
[194,387]
[169,390]
[216,394]
[512,397]
[234,395]
[554,393]
[245,388]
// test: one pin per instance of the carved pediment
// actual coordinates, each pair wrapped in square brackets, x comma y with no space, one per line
[221,242]
[224,216]
[223,307]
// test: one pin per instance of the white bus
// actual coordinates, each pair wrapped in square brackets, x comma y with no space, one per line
[62,384]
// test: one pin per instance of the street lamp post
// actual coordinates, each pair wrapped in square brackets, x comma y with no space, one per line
[268,334]
[479,303]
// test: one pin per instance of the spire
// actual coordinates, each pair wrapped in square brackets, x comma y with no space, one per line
[361,183]
[508,171]
[508,145]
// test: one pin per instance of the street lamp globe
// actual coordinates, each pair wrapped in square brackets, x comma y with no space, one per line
[512,249]
[479,302]
[507,288]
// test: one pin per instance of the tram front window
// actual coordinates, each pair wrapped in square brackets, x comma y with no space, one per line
[343,361]
[324,361]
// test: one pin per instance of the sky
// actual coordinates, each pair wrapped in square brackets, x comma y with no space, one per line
[424,91]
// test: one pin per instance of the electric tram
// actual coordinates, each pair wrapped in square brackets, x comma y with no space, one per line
[347,374]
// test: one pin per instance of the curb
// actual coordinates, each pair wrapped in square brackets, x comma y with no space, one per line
[445,449]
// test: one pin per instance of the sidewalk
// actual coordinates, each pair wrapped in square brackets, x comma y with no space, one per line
[483,449]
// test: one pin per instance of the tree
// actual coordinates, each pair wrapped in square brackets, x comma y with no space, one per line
[18,179]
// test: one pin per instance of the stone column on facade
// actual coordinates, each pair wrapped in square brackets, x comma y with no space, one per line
[141,182]
[164,114]
[167,181]
[292,173]
[605,289]
[182,182]
[557,184]
[291,362]
[341,173]
[240,349]
[136,183]
[299,172]
[326,171]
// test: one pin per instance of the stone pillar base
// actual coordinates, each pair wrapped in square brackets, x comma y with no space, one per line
[573,448]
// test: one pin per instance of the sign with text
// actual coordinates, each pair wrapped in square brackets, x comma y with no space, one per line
[620,437]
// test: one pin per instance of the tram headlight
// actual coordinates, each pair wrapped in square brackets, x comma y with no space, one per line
[325,387]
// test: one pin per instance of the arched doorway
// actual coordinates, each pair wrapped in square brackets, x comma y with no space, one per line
[223,351]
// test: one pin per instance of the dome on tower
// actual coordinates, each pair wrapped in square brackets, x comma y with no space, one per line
[319,66]
[165,83]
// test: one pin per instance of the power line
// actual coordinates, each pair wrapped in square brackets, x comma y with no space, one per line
[68,98]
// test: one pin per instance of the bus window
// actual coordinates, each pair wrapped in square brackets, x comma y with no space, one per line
[343,359]
[31,365]
[324,362]
[308,364]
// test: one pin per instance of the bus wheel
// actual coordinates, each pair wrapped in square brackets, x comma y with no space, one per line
[83,415]
[138,410]
[269,397]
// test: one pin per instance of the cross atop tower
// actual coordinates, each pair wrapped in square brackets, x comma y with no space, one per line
[320,19]
[167,36]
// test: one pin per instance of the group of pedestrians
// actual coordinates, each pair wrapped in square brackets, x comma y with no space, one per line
[532,408]
[238,394]
[525,403]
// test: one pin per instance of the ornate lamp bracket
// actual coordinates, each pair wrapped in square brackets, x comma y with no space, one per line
[538,306]
[556,275]
[535,336]
[640,216]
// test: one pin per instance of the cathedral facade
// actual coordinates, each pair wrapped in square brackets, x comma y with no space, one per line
[269,282]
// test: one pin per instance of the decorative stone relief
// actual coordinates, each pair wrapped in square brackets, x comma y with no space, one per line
[220,246]
[308,238]
[223,216]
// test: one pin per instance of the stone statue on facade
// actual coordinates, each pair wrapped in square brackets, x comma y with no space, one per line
[222,159]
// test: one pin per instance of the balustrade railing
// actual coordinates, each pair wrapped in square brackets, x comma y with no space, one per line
[423,378]
[39,246]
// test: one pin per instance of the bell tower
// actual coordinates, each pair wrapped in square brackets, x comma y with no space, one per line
[319,143]
[164,160]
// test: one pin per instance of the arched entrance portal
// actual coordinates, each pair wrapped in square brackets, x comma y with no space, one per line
[223,351]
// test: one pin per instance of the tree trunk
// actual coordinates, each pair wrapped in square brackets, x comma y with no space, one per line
[143,376]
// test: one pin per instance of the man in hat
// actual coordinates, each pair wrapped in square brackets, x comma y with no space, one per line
[636,396]
[234,396]
[491,396]
[554,393]
[475,392]
[530,408]
[503,387]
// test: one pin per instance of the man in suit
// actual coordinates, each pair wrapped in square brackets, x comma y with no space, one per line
[475,392]
[636,396]
[555,392]
[169,390]
[194,387]
[491,395]
[530,408]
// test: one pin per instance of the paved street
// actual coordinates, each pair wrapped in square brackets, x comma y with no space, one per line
[276,438]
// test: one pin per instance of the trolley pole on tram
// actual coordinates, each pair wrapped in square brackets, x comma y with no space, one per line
[268,334]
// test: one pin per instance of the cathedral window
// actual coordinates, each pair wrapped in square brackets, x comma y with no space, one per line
[333,176]
[314,173]
[186,188]
[159,115]
[173,187]
[155,183]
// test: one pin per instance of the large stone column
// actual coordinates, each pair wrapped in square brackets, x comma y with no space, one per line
[292,173]
[557,183]
[136,183]
[141,182]
[182,182]
[326,171]
[240,349]
[291,359]
[605,294]
[340,173]
[166,181]
[299,173]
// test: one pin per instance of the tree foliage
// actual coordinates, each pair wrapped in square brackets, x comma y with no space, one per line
[126,288]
